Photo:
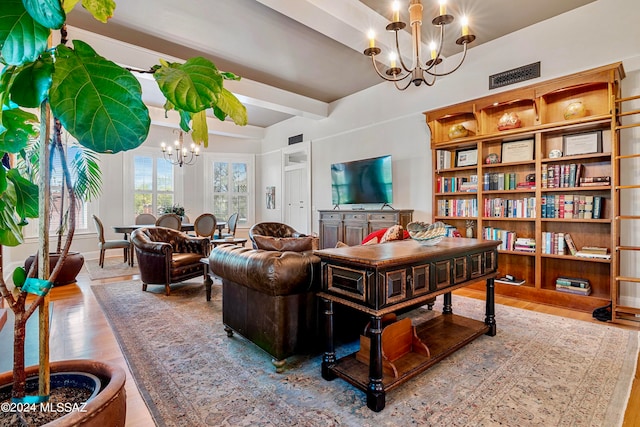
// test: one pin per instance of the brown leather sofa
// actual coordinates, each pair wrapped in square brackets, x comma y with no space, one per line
[276,236]
[269,298]
[167,256]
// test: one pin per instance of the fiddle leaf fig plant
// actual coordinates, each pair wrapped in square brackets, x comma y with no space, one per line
[45,90]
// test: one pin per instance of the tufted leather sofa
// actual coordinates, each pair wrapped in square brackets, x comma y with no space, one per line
[167,256]
[279,236]
[269,298]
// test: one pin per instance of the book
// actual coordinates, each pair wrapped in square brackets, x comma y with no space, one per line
[583,254]
[510,280]
[573,290]
[595,250]
[597,207]
[573,250]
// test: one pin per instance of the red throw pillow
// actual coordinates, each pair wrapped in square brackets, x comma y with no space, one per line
[375,235]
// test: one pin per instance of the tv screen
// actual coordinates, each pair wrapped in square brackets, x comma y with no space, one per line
[362,181]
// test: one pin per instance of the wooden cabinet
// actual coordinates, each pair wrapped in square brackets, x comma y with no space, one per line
[351,227]
[510,197]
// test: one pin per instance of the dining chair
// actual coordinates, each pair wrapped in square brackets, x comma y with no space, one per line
[103,244]
[169,221]
[205,225]
[185,219]
[232,222]
[145,219]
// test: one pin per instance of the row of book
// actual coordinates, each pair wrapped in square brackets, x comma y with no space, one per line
[563,244]
[569,175]
[572,206]
[510,208]
[443,159]
[573,285]
[458,207]
[510,241]
[499,181]
[457,184]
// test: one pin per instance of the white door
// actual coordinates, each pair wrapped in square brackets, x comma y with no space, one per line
[297,187]
[297,199]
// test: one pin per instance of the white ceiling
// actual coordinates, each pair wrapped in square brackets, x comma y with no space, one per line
[295,56]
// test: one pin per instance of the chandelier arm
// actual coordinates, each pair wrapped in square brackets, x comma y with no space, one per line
[405,86]
[389,79]
[434,61]
[400,55]
[464,55]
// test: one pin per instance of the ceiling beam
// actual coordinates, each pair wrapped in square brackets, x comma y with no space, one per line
[249,92]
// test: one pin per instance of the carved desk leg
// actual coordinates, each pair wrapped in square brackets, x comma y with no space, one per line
[207,281]
[375,391]
[446,306]
[490,310]
[329,357]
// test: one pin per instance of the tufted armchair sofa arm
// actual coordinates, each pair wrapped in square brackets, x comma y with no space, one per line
[167,256]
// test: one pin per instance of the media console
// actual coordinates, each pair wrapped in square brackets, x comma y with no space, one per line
[381,279]
[352,226]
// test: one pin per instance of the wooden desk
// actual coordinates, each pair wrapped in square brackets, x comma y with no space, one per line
[381,279]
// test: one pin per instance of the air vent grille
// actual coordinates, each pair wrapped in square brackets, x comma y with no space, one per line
[520,74]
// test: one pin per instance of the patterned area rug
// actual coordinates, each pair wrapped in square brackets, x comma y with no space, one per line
[113,267]
[539,370]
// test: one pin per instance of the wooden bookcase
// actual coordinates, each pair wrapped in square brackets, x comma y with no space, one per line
[543,127]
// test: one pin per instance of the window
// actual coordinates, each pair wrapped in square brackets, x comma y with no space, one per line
[59,205]
[153,185]
[230,188]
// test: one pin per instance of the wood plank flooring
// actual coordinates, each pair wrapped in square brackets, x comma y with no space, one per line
[80,330]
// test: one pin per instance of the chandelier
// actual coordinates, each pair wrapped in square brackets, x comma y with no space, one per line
[420,72]
[178,154]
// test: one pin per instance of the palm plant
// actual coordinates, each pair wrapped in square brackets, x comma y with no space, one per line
[99,104]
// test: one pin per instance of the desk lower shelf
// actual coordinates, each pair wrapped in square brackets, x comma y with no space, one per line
[443,335]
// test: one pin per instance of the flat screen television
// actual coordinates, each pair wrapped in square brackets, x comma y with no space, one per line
[362,181]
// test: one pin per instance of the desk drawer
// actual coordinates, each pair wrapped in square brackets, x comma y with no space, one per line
[355,217]
[331,216]
[392,217]
[347,281]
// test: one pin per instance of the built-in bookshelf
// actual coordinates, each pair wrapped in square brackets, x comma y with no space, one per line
[534,169]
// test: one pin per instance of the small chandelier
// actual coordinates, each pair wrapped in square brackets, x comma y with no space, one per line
[419,73]
[178,153]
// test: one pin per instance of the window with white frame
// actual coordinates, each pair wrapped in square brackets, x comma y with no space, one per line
[154,184]
[230,187]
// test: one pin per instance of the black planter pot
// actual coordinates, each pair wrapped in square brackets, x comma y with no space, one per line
[70,269]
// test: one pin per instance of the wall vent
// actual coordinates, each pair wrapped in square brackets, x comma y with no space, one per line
[295,139]
[520,74]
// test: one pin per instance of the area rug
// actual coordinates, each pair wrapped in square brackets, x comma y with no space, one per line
[539,370]
[113,267]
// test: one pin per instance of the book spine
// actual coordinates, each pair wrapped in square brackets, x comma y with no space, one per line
[570,244]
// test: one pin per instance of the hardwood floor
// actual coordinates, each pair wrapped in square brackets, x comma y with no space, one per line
[79,329]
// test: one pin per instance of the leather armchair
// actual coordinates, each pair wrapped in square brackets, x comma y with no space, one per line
[168,256]
[280,237]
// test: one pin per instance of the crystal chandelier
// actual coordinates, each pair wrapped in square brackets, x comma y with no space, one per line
[421,72]
[178,154]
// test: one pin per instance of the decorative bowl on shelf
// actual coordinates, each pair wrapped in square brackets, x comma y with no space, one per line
[427,234]
[575,110]
[458,131]
[509,121]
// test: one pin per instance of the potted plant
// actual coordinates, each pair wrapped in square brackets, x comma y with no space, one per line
[100,104]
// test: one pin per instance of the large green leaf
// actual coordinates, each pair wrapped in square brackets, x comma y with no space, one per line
[47,13]
[10,231]
[200,134]
[102,10]
[32,82]
[87,173]
[69,5]
[26,195]
[193,86]
[97,101]
[232,107]
[22,39]
[20,128]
